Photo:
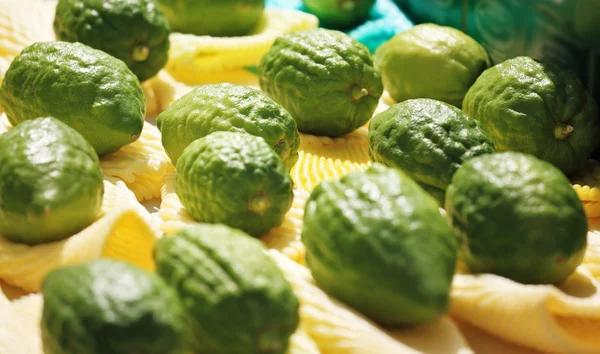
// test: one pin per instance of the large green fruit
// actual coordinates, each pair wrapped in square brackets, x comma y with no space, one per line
[516,216]
[89,90]
[339,14]
[536,108]
[427,139]
[226,107]
[234,179]
[431,61]
[108,306]
[221,18]
[378,242]
[324,78]
[50,182]
[135,31]
[237,299]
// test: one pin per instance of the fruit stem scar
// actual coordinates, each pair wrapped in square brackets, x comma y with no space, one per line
[359,92]
[259,203]
[140,53]
[347,5]
[563,130]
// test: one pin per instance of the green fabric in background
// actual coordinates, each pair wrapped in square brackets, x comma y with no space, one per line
[565,32]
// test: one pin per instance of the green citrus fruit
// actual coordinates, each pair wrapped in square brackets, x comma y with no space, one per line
[135,31]
[427,139]
[227,107]
[109,306]
[339,14]
[536,108]
[375,240]
[324,78]
[431,61]
[50,182]
[516,216]
[89,90]
[234,179]
[221,18]
[236,298]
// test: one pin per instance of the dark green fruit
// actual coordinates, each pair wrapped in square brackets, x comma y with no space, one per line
[135,31]
[517,216]
[51,184]
[109,306]
[89,90]
[236,298]
[227,107]
[235,179]
[324,78]
[377,241]
[427,139]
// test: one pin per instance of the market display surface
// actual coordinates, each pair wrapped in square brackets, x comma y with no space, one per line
[265,193]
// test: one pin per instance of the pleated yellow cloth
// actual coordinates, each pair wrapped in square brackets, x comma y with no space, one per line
[587,185]
[337,329]
[142,165]
[205,59]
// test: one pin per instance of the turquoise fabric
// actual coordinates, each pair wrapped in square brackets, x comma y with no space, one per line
[385,20]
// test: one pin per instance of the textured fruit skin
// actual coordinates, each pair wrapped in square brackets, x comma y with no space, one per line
[234,179]
[117,27]
[377,241]
[237,299]
[227,107]
[50,182]
[109,306]
[427,139]
[520,102]
[431,61]
[314,74]
[516,216]
[223,18]
[89,90]
[339,14]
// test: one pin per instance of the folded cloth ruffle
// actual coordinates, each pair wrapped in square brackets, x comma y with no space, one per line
[385,20]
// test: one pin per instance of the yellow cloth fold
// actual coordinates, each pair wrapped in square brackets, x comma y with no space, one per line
[122,231]
[24,24]
[205,59]
[19,325]
[337,329]
[160,91]
[543,317]
[323,158]
[142,165]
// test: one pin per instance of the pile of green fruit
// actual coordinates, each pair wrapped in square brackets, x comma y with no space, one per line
[490,144]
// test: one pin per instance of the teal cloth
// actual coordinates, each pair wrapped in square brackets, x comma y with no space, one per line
[385,20]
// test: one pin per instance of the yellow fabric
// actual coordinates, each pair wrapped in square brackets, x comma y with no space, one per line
[4,124]
[160,91]
[324,158]
[543,317]
[337,329]
[22,25]
[587,186]
[142,165]
[301,343]
[19,325]
[122,231]
[205,59]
